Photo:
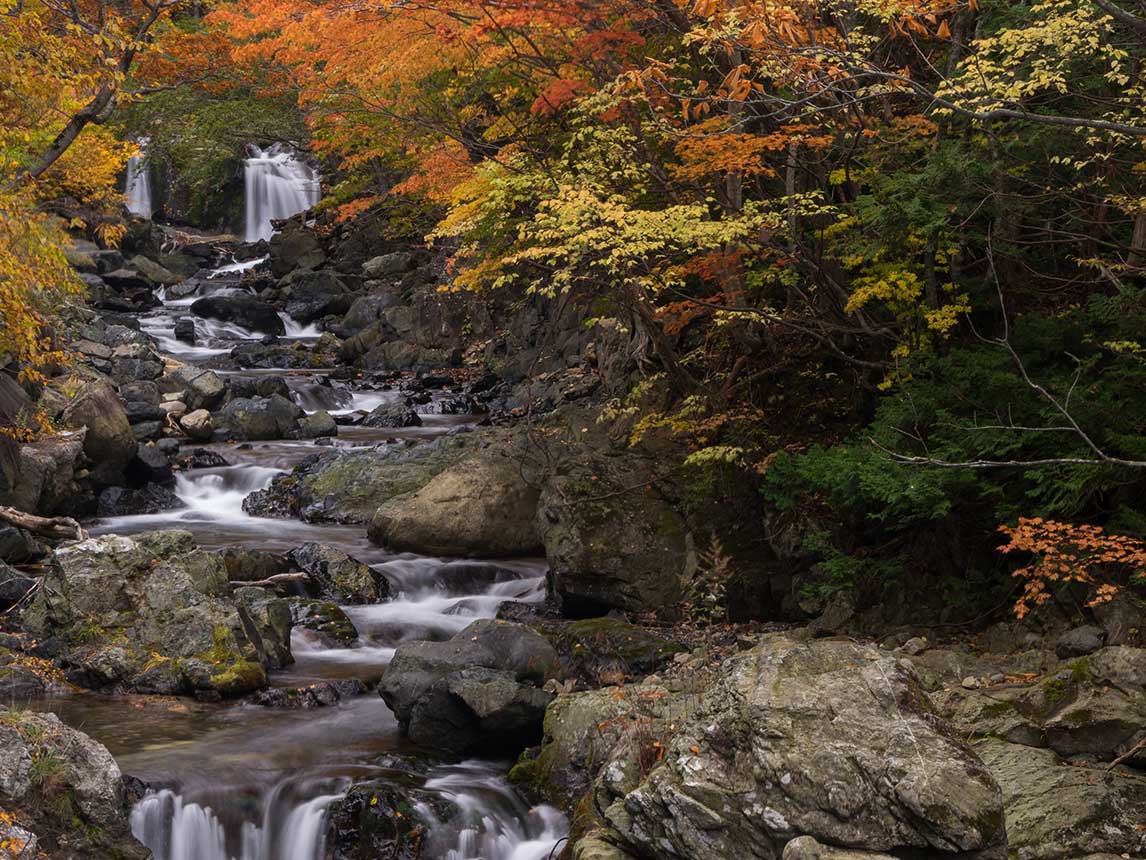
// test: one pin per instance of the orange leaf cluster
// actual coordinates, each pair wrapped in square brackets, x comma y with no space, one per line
[1065,553]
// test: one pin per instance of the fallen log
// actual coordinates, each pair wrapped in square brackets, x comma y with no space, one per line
[52,528]
[271,581]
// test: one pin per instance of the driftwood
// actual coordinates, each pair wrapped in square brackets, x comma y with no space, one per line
[270,581]
[52,528]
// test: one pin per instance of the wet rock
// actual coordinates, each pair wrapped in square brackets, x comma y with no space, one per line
[388,265]
[198,388]
[338,576]
[379,819]
[108,443]
[598,649]
[46,765]
[479,508]
[294,247]
[125,502]
[257,418]
[324,694]
[315,426]
[18,546]
[1080,642]
[612,541]
[138,411]
[201,458]
[14,586]
[757,764]
[314,295]
[480,689]
[198,425]
[150,466]
[185,330]
[392,415]
[154,272]
[326,620]
[1054,811]
[153,614]
[246,311]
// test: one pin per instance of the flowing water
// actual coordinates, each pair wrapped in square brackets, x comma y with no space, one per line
[138,188]
[278,185]
[242,782]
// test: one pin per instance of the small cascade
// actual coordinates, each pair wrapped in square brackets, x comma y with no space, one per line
[138,187]
[278,185]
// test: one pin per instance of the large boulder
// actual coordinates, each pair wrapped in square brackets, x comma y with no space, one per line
[198,388]
[314,295]
[155,614]
[246,311]
[820,738]
[64,788]
[108,443]
[612,541]
[254,418]
[1060,812]
[46,479]
[155,273]
[479,690]
[339,577]
[480,508]
[295,247]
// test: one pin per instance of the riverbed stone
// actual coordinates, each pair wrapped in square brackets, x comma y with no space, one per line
[339,577]
[1080,641]
[379,819]
[325,619]
[108,443]
[198,388]
[480,689]
[481,508]
[823,738]
[154,613]
[246,311]
[315,426]
[198,425]
[259,418]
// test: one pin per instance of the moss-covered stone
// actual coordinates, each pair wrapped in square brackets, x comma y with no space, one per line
[597,649]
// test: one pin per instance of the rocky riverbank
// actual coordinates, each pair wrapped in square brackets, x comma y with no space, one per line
[408,451]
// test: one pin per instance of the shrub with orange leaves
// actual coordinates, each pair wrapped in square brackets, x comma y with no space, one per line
[1065,553]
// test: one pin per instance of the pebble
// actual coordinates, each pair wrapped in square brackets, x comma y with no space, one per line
[970,683]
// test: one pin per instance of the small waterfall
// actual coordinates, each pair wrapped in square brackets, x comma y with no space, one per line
[138,190]
[278,185]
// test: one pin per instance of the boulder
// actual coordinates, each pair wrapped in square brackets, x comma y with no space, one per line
[154,614]
[1058,812]
[124,502]
[150,466]
[389,265]
[14,586]
[314,295]
[139,411]
[820,738]
[185,330]
[339,577]
[365,312]
[295,247]
[479,690]
[392,415]
[198,425]
[198,388]
[246,311]
[612,541]
[331,626]
[599,649]
[45,477]
[379,819]
[108,443]
[1080,641]
[154,272]
[66,787]
[256,418]
[315,426]
[480,508]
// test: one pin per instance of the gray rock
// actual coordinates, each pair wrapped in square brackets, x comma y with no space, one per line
[14,586]
[807,848]
[272,417]
[198,388]
[108,443]
[392,415]
[314,295]
[295,247]
[155,273]
[338,576]
[198,425]
[1056,812]
[820,738]
[478,690]
[315,426]
[1080,642]
[246,311]
[185,330]
[480,508]
[388,265]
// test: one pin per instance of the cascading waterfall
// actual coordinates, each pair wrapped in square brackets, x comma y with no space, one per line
[278,185]
[138,188]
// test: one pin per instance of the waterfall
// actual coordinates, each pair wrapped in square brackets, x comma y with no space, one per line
[278,185]
[138,189]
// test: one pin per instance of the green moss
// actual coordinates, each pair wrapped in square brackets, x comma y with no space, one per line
[242,676]
[1080,670]
[998,708]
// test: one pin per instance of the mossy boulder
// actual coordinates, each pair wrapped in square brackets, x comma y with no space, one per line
[596,649]
[379,819]
[337,576]
[155,614]
[109,443]
[326,620]
[480,508]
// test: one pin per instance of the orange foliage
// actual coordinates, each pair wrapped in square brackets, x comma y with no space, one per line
[1065,553]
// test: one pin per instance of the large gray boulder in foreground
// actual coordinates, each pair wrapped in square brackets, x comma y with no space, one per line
[826,739]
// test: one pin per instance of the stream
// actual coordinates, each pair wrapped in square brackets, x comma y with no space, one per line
[242,782]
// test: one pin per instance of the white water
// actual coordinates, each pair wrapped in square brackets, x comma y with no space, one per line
[278,185]
[138,189]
